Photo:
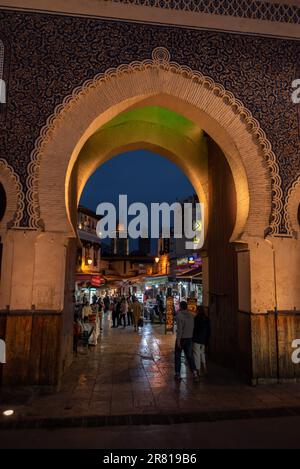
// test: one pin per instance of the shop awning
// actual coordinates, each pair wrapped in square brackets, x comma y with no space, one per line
[136,279]
[190,273]
[92,238]
[159,279]
[94,280]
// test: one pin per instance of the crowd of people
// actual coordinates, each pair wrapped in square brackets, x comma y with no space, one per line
[125,311]
[88,317]
[192,336]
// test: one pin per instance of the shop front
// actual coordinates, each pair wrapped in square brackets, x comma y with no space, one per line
[87,286]
[190,284]
[157,290]
[157,285]
[136,286]
[188,271]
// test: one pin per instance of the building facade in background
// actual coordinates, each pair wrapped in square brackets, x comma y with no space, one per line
[88,262]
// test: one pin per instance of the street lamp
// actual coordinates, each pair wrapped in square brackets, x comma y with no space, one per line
[89,260]
[157,260]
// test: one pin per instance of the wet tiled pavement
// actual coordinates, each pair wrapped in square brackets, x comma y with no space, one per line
[129,378]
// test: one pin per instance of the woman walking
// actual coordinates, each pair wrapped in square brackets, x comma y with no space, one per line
[201,339]
[137,312]
[123,311]
[129,314]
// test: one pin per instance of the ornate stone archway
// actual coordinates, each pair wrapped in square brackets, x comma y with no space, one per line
[291,208]
[183,90]
[39,284]
[14,197]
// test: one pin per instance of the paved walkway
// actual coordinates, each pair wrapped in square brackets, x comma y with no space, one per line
[273,433]
[131,374]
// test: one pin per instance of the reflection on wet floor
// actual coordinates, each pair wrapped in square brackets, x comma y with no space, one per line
[131,373]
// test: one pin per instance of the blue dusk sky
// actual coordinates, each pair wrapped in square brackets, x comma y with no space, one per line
[142,175]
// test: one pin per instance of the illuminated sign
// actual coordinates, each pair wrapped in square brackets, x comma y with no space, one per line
[185,262]
[169,326]
[96,281]
[182,260]
[192,305]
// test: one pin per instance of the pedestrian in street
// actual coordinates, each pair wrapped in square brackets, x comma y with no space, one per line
[100,311]
[137,313]
[94,299]
[184,341]
[130,313]
[201,337]
[78,310]
[115,312]
[94,321]
[86,311]
[84,299]
[106,302]
[123,311]
[161,308]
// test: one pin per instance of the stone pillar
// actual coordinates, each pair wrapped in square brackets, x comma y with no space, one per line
[32,297]
[205,278]
[273,306]
[262,291]
[286,262]
[244,354]
[274,274]
[287,270]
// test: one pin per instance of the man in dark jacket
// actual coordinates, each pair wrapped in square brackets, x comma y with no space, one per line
[106,302]
[184,341]
[201,337]
[116,305]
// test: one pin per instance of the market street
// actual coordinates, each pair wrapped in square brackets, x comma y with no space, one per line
[130,375]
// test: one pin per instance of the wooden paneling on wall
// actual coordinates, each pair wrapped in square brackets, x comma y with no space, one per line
[33,344]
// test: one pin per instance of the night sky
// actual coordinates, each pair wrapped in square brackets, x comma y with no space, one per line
[142,175]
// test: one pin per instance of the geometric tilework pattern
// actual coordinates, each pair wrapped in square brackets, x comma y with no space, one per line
[68,51]
[250,9]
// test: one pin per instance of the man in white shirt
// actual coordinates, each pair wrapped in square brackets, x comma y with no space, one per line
[184,341]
